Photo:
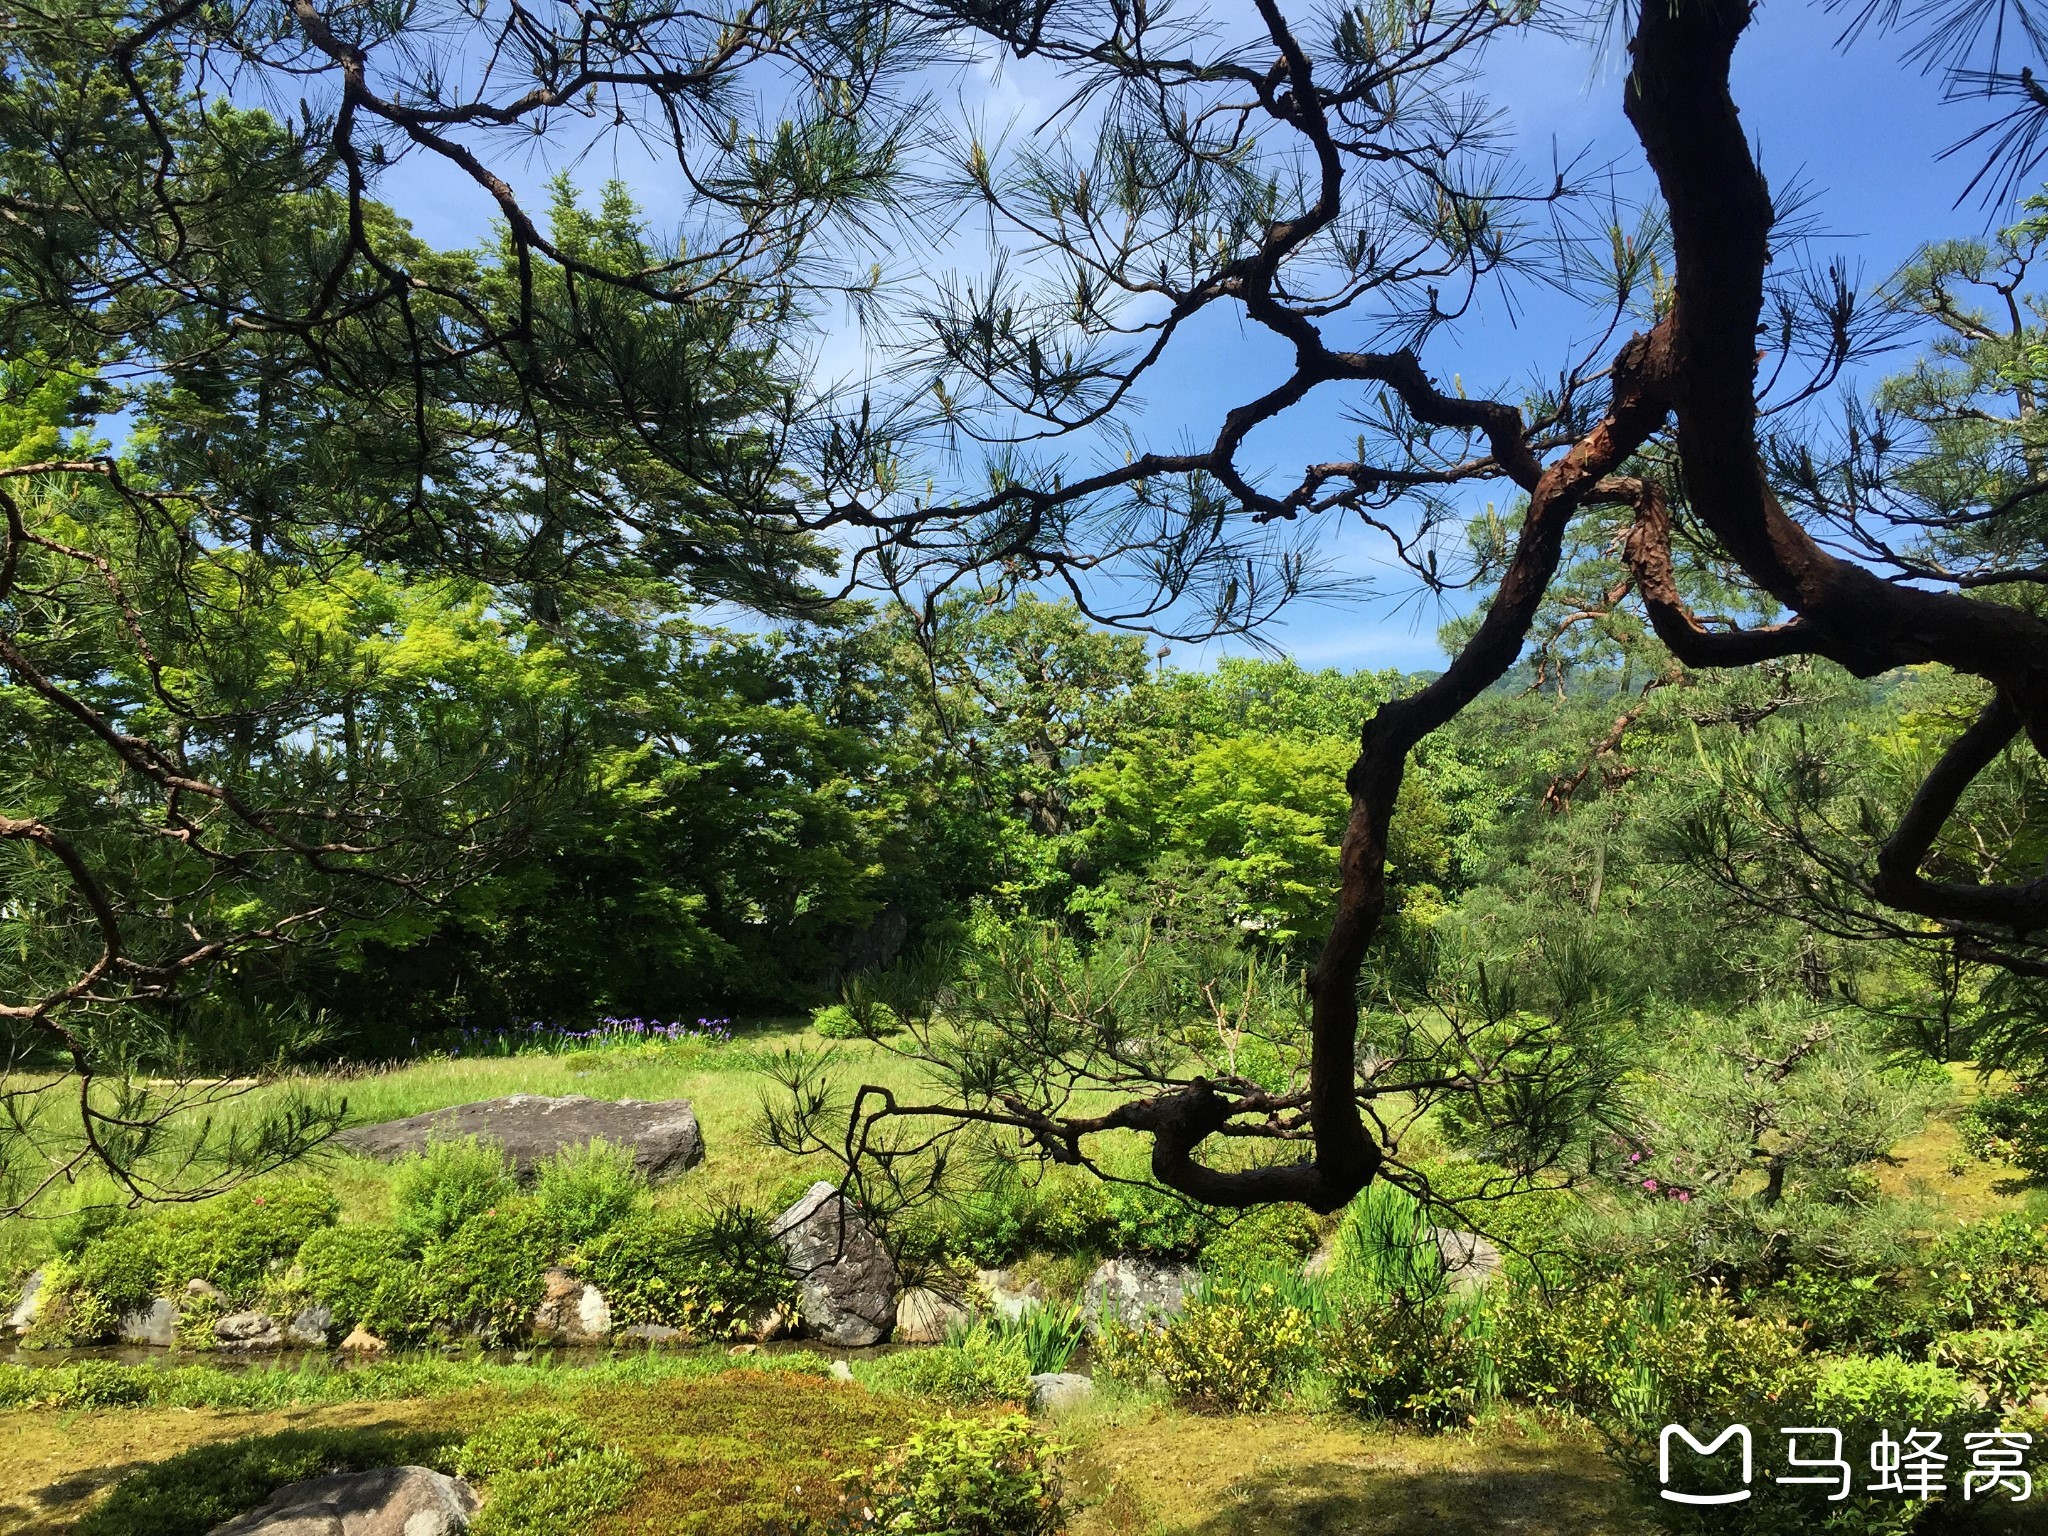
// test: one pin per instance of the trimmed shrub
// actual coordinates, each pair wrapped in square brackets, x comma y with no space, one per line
[1884,1392]
[448,1184]
[587,1190]
[960,1477]
[1841,1310]
[713,1275]
[485,1279]
[359,1272]
[1424,1361]
[2008,1128]
[1265,1237]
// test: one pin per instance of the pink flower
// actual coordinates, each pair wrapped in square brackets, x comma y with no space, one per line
[1635,1157]
[1685,1197]
[259,1199]
[1650,1185]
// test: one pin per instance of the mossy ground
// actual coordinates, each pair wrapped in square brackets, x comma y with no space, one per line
[727,1454]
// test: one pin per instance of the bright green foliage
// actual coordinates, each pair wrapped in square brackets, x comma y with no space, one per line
[586,1190]
[1885,1392]
[544,1473]
[960,1477]
[454,1179]
[983,1364]
[713,1275]
[485,1278]
[1232,1349]
[1266,1237]
[1050,1335]
[2009,1365]
[2009,1127]
[360,1271]
[842,1021]
[1990,1274]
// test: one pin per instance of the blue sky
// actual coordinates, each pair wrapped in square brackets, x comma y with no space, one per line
[1862,131]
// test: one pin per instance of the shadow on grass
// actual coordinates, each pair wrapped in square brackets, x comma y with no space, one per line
[1341,1499]
[190,1493]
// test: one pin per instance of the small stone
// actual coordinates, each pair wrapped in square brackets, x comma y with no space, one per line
[202,1288]
[1057,1391]
[361,1341]
[925,1317]
[841,1371]
[23,1317]
[249,1330]
[653,1333]
[155,1324]
[1470,1261]
[739,1350]
[309,1326]
[767,1325]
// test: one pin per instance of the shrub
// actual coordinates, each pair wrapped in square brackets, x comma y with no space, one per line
[448,1184]
[2008,1128]
[122,1268]
[485,1278]
[1989,1274]
[840,1022]
[191,1493]
[1266,1237]
[358,1271]
[960,1477]
[2009,1365]
[232,1241]
[69,1313]
[547,1474]
[1420,1360]
[983,1364]
[1888,1393]
[586,1190]
[1233,1349]
[713,1275]
[1842,1310]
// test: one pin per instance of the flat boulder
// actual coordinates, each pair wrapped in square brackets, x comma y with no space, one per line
[249,1330]
[1470,1260]
[846,1281]
[661,1134]
[1136,1291]
[387,1501]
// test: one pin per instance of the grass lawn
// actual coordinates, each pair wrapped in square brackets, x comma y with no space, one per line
[727,1452]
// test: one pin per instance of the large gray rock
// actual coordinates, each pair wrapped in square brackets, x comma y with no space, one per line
[389,1501]
[571,1311]
[1135,1290]
[532,1127]
[846,1280]
[155,1324]
[310,1326]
